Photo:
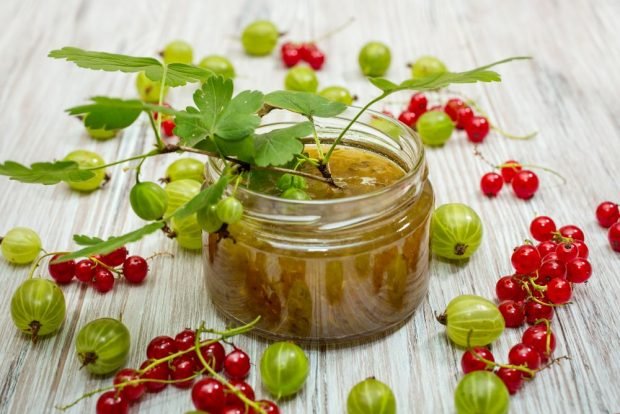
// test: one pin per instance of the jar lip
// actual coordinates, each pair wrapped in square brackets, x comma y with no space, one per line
[406,134]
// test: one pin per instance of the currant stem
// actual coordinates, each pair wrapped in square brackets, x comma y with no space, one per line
[207,366]
[471,102]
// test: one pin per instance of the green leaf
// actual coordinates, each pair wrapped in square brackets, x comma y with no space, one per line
[217,113]
[279,146]
[384,84]
[209,196]
[242,149]
[112,243]
[481,74]
[46,173]
[115,113]
[305,103]
[84,240]
[239,118]
[178,74]
[108,113]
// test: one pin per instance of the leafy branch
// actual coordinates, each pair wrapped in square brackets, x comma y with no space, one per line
[429,83]
[176,74]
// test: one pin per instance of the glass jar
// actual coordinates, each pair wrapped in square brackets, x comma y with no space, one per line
[329,270]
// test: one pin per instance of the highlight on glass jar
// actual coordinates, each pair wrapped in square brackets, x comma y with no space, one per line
[348,261]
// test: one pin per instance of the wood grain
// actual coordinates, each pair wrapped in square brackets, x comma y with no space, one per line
[569,93]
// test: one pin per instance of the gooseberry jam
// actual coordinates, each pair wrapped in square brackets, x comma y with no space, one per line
[351,262]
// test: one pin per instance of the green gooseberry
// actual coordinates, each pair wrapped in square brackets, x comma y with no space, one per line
[148,200]
[427,66]
[149,90]
[259,38]
[302,79]
[87,159]
[337,94]
[435,128]
[374,59]
[218,65]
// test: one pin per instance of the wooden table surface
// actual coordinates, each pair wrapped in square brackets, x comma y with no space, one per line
[569,93]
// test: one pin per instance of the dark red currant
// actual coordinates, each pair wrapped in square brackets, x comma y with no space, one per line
[511,169]
[477,129]
[491,184]
[237,364]
[62,273]
[542,228]
[607,213]
[470,362]
[525,184]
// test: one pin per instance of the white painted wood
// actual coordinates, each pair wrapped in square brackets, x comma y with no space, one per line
[569,93]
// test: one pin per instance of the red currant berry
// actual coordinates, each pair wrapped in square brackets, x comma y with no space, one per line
[607,213]
[85,270]
[542,228]
[316,59]
[115,258]
[133,392]
[572,232]
[160,347]
[535,311]
[551,256]
[491,183]
[182,368]
[168,125]
[418,103]
[559,291]
[470,362]
[208,395]
[214,354]
[408,118]
[237,364]
[244,388]
[62,273]
[159,372]
[477,129]
[524,355]
[582,249]
[290,56]
[578,270]
[525,184]
[509,288]
[512,378]
[185,339]
[550,269]
[306,49]
[546,247]
[511,169]
[111,403]
[103,281]
[613,235]
[536,337]
[525,259]
[464,117]
[135,269]
[513,313]
[567,252]
[452,107]
[268,406]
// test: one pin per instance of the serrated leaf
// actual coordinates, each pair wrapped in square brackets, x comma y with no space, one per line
[84,240]
[384,84]
[113,243]
[178,74]
[47,173]
[305,103]
[219,113]
[239,118]
[481,74]
[279,146]
[108,113]
[204,198]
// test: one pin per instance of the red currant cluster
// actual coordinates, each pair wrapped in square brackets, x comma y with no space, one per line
[608,216]
[543,280]
[476,127]
[176,361]
[99,270]
[294,53]
[524,182]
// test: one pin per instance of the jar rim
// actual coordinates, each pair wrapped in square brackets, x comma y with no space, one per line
[407,136]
